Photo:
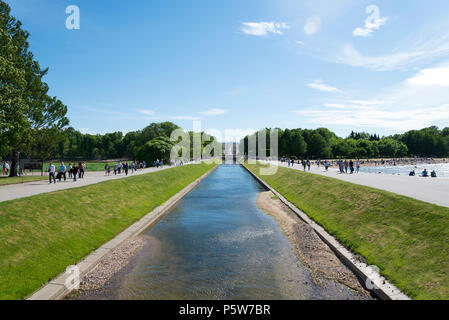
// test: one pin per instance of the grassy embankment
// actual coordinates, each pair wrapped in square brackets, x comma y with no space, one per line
[406,238]
[17,180]
[42,235]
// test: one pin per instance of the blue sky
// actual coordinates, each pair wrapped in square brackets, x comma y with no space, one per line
[246,64]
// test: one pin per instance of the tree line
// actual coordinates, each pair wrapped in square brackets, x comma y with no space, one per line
[324,144]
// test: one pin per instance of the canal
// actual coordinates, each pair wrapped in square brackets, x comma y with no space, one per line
[217,244]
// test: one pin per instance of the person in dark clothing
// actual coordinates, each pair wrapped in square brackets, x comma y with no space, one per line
[75,172]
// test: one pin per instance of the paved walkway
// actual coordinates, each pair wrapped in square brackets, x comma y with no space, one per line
[431,190]
[17,191]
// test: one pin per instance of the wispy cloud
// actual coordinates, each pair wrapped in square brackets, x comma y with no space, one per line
[368,102]
[374,22]
[146,112]
[263,28]
[412,53]
[318,85]
[312,25]
[214,112]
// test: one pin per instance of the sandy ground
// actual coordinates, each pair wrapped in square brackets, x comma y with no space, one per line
[311,250]
[435,191]
[17,191]
[108,267]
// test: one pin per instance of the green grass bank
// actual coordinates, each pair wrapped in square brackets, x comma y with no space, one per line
[17,180]
[42,235]
[406,238]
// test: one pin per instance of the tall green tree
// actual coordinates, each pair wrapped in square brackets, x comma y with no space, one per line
[26,108]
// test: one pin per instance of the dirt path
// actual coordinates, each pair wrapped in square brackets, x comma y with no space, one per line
[311,250]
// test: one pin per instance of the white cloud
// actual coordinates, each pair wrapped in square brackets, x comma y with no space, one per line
[146,112]
[415,103]
[312,25]
[368,102]
[432,77]
[334,105]
[214,112]
[263,28]
[362,32]
[318,85]
[398,119]
[300,42]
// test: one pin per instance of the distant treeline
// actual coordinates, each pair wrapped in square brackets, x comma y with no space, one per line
[322,143]
[148,144]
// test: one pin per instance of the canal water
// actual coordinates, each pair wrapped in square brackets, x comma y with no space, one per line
[217,244]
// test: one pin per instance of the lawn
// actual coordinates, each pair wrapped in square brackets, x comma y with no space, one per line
[16,180]
[406,238]
[42,235]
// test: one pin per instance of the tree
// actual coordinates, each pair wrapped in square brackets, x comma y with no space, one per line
[26,108]
[318,146]
[158,148]
[298,145]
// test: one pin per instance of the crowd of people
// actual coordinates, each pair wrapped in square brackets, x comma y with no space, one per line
[424,174]
[343,166]
[75,171]
[5,168]
[124,167]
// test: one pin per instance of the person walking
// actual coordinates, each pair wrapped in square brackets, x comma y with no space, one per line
[308,164]
[62,172]
[70,169]
[351,166]
[80,170]
[51,173]
[346,166]
[107,170]
[357,166]
[75,172]
[326,165]
[125,168]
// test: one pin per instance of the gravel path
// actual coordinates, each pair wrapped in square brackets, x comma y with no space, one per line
[311,250]
[108,267]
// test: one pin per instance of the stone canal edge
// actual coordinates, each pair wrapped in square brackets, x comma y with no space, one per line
[56,289]
[382,289]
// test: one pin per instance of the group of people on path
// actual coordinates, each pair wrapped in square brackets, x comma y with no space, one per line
[349,166]
[343,166]
[306,163]
[75,172]
[124,167]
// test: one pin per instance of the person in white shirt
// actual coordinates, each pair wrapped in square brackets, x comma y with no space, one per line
[51,173]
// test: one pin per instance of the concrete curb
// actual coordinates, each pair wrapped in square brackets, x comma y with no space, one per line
[56,289]
[381,287]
